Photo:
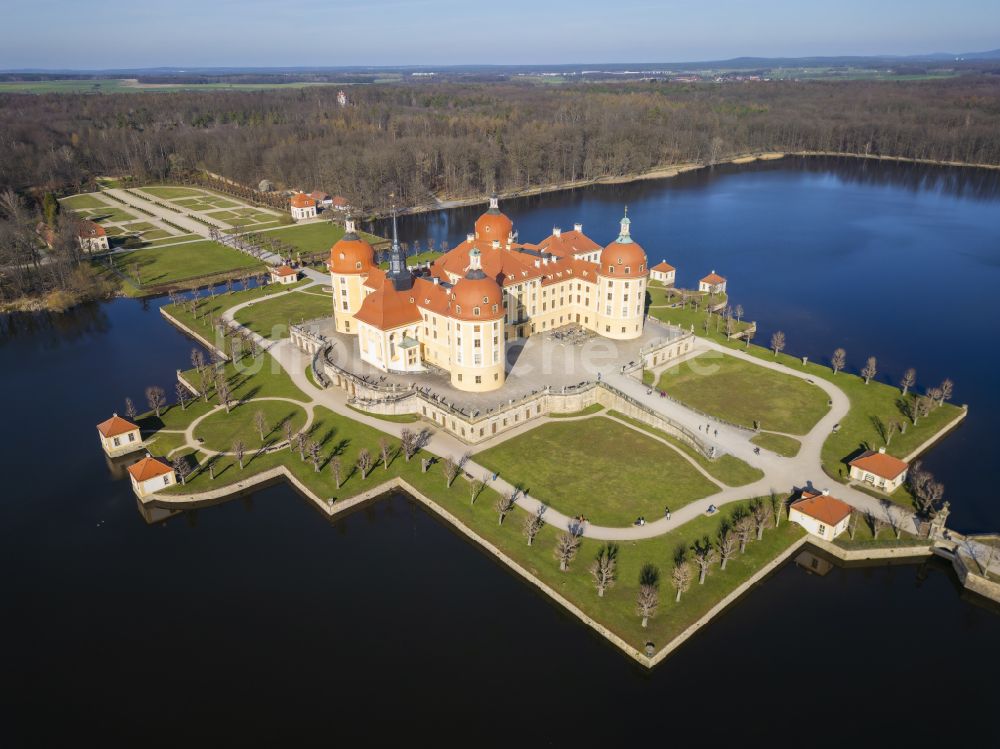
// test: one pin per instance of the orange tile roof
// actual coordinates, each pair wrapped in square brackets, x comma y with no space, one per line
[284,270]
[319,196]
[713,278]
[301,200]
[663,267]
[387,309]
[90,229]
[115,426]
[823,507]
[339,201]
[148,468]
[880,464]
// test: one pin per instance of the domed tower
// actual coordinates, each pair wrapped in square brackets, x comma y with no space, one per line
[477,343]
[494,225]
[621,284]
[351,260]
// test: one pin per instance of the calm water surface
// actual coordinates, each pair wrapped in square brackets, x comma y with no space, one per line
[259,621]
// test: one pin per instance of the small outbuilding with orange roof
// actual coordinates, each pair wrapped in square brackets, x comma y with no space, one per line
[150,475]
[303,206]
[283,274]
[713,283]
[663,272]
[119,436]
[879,470]
[820,514]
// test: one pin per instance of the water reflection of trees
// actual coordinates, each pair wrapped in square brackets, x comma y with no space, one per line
[55,328]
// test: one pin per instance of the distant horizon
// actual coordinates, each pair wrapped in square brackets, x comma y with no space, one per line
[968,55]
[119,35]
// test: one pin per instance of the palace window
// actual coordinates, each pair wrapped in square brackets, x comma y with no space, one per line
[475,311]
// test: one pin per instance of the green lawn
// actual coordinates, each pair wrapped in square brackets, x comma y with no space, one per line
[83,201]
[742,392]
[271,317]
[593,408]
[728,469]
[315,237]
[170,193]
[423,257]
[258,378]
[598,468]
[221,429]
[209,306]
[858,430]
[165,265]
[688,318]
[778,443]
[396,419]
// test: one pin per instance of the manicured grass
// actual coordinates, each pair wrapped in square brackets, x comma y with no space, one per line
[251,378]
[221,429]
[598,468]
[170,193]
[728,469]
[395,418]
[593,408]
[689,318]
[778,443]
[316,237]
[83,201]
[742,392]
[174,417]
[422,257]
[209,306]
[886,538]
[271,317]
[164,265]
[109,214]
[343,438]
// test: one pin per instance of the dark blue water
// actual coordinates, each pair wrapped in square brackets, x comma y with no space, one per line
[258,621]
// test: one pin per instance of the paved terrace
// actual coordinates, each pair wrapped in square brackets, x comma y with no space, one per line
[543,360]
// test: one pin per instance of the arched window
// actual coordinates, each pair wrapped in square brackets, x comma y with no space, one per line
[475,311]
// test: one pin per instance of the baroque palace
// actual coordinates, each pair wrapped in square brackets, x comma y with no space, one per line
[459,313]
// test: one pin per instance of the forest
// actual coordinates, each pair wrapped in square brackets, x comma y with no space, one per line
[454,140]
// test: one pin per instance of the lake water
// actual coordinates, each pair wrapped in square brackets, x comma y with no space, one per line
[260,621]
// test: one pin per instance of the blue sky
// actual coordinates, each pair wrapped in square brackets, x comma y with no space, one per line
[119,33]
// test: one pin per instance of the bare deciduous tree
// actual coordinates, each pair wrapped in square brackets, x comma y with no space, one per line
[726,541]
[761,512]
[838,360]
[778,342]
[852,523]
[777,507]
[681,578]
[604,568]
[335,470]
[533,524]
[222,390]
[288,430]
[239,450]
[385,447]
[260,423]
[364,461]
[704,557]
[451,470]
[743,528]
[156,399]
[870,369]
[182,468]
[649,592]
[182,394]
[314,449]
[475,489]
[947,389]
[130,409]
[567,544]
[409,442]
[504,504]
[909,380]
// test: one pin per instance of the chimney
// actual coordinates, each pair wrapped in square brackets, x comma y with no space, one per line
[881,451]
[436,280]
[538,263]
[496,244]
[578,227]
[470,237]
[556,231]
[826,492]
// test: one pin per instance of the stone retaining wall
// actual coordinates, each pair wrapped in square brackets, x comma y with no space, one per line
[201,339]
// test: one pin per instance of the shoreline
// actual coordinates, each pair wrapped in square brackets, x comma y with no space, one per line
[673,170]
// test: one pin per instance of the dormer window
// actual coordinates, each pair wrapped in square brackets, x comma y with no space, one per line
[486,300]
[458,308]
[475,311]
[357,265]
[611,269]
[628,271]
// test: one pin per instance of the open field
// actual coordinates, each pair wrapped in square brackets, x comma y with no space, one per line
[316,237]
[165,265]
[211,307]
[741,392]
[597,468]
[221,429]
[271,317]
[728,469]
[83,202]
